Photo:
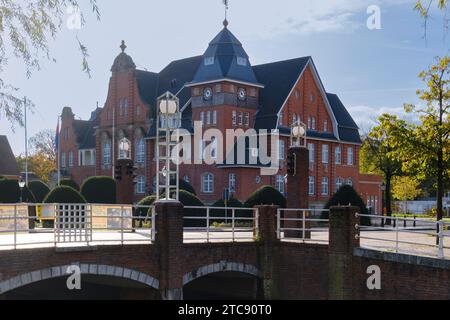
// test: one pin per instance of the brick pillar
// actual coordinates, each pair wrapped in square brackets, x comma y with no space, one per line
[297,190]
[125,186]
[342,242]
[169,240]
[267,238]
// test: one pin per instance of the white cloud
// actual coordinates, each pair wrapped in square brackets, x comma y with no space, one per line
[366,116]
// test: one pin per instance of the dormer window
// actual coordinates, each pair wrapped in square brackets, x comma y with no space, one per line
[209,61]
[242,61]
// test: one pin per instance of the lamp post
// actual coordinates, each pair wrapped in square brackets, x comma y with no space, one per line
[298,134]
[21,185]
[167,171]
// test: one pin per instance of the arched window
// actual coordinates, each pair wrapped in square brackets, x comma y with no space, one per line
[140,185]
[208,183]
[140,150]
[279,183]
[106,152]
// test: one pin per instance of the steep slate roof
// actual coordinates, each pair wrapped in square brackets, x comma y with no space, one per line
[225,50]
[8,163]
[348,130]
[279,78]
[85,131]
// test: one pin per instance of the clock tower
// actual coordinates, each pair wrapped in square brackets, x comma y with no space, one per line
[225,91]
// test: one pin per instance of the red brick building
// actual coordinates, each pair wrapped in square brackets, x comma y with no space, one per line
[222,90]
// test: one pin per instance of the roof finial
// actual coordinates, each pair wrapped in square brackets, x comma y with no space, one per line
[123,46]
[225,22]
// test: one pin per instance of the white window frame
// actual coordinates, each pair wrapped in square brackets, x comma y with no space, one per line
[140,185]
[106,157]
[281,149]
[350,156]
[338,155]
[311,185]
[208,118]
[241,118]
[234,118]
[247,119]
[63,160]
[232,182]
[70,159]
[208,183]
[214,118]
[312,152]
[339,183]
[325,186]
[280,184]
[325,153]
[140,151]
[202,118]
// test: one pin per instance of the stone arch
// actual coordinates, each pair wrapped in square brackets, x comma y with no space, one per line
[87,269]
[222,266]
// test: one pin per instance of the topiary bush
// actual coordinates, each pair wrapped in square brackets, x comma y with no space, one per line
[70,183]
[144,212]
[64,194]
[189,199]
[99,190]
[183,185]
[232,203]
[266,195]
[39,190]
[9,191]
[345,196]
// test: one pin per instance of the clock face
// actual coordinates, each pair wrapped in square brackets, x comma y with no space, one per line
[242,94]
[207,94]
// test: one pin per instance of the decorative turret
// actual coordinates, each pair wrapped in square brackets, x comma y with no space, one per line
[123,62]
[225,59]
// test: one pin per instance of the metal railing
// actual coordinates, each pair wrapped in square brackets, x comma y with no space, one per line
[302,224]
[25,225]
[405,235]
[216,224]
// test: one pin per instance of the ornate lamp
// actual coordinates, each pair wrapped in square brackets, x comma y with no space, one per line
[298,134]
[168,121]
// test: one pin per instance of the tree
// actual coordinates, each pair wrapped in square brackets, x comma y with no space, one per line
[423,7]
[39,164]
[44,143]
[406,188]
[26,27]
[376,156]
[424,148]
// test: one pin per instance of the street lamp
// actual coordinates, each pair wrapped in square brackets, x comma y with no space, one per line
[21,185]
[167,122]
[298,134]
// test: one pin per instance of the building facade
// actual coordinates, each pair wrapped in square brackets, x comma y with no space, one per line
[221,90]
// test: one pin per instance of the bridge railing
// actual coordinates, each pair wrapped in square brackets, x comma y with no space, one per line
[26,225]
[405,235]
[220,224]
[304,225]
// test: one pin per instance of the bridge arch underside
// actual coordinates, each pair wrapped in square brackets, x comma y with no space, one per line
[97,282]
[223,281]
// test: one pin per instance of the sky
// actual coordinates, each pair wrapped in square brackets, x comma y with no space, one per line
[372,70]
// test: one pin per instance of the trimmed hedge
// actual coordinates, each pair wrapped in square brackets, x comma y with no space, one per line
[70,183]
[189,199]
[39,190]
[147,201]
[99,190]
[345,196]
[64,194]
[266,195]
[232,203]
[9,191]
[182,185]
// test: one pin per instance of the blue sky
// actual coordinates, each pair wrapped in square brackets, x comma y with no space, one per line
[373,71]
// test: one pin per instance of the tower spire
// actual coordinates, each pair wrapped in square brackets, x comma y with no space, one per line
[226,4]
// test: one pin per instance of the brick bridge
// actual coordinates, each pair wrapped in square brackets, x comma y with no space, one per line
[283,269]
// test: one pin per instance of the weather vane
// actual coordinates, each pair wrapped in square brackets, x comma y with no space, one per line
[226,4]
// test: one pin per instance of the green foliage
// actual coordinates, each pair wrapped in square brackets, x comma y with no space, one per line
[70,183]
[64,194]
[406,188]
[9,191]
[27,195]
[266,195]
[147,201]
[99,190]
[345,196]
[232,203]
[183,185]
[39,189]
[191,200]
